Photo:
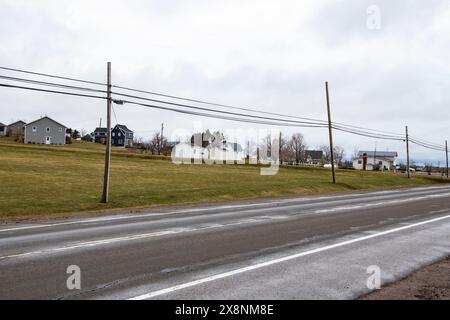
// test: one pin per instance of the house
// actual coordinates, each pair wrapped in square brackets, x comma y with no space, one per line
[99,135]
[313,157]
[224,151]
[2,129]
[375,160]
[16,128]
[45,131]
[88,137]
[121,136]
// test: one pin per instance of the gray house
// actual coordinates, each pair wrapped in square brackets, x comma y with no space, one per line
[2,129]
[45,131]
[16,128]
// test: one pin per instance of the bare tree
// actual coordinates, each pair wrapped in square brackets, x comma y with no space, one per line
[339,154]
[298,147]
[157,144]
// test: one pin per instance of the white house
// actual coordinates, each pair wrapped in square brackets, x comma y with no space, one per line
[225,152]
[372,160]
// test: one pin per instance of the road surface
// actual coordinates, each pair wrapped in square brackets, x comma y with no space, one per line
[315,247]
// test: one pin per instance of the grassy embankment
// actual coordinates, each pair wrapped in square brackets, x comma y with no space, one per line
[45,181]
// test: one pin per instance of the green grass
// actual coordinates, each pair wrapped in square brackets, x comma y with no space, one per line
[44,181]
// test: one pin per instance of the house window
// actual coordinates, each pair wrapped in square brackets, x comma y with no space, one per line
[60,129]
[34,129]
[47,129]
[380,163]
[113,134]
[359,162]
[119,134]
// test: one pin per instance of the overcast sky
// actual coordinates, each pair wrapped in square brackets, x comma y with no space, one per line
[269,55]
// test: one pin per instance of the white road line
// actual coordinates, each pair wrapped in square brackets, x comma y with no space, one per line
[280,260]
[223,207]
[383,203]
[132,237]
[216,225]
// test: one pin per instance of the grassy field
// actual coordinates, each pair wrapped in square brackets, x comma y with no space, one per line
[44,181]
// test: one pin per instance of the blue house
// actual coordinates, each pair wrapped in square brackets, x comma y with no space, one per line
[121,136]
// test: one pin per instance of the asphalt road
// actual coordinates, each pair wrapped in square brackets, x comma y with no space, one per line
[316,247]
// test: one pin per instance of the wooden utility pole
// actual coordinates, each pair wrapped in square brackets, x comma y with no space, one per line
[161,138]
[407,153]
[330,131]
[446,156]
[105,196]
[280,160]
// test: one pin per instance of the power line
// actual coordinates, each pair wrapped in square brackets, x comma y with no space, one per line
[223,117]
[374,131]
[216,111]
[51,84]
[310,122]
[51,91]
[53,76]
[367,134]
[216,104]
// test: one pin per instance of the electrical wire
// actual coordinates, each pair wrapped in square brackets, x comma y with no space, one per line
[53,76]
[218,104]
[241,117]
[51,91]
[216,111]
[51,84]
[273,123]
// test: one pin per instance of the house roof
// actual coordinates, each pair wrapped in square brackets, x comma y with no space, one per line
[387,154]
[17,122]
[123,128]
[104,130]
[48,119]
[314,154]
[2,124]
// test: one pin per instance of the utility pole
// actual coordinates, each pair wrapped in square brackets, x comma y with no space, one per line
[105,196]
[446,156]
[161,138]
[279,150]
[330,131]
[407,152]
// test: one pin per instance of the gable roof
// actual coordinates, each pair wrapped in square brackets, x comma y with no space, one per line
[314,154]
[381,154]
[123,128]
[2,124]
[17,122]
[99,129]
[26,125]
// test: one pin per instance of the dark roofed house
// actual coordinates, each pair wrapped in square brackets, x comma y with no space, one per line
[121,136]
[100,135]
[313,156]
